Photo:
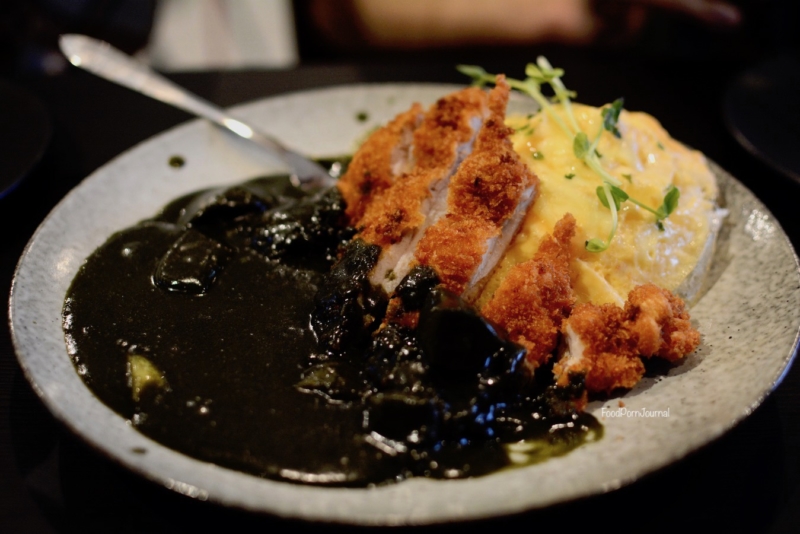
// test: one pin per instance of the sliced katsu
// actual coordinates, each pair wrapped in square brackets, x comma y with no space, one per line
[488,197]
[536,296]
[384,156]
[458,206]
[396,218]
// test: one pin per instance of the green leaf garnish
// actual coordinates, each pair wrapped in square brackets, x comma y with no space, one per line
[596,245]
[601,194]
[479,76]
[670,202]
[538,155]
[628,177]
[580,145]
[671,199]
[617,194]
[542,74]
[611,116]
[569,176]
[659,145]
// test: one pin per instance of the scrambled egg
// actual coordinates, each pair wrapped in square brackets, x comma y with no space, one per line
[647,161]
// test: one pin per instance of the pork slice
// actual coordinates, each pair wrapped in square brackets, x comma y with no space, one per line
[536,296]
[384,156]
[487,199]
[397,217]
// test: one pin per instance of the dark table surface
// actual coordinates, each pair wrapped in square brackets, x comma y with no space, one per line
[50,481]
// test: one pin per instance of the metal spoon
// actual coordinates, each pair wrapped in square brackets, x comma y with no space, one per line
[104,60]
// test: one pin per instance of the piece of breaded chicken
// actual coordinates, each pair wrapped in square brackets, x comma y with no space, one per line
[384,156]
[605,344]
[487,199]
[396,218]
[536,296]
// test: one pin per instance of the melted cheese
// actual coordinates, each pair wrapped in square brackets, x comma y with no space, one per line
[640,252]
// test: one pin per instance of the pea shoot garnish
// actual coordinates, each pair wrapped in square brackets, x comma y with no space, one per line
[610,193]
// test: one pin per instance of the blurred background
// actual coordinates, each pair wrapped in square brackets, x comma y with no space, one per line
[181,35]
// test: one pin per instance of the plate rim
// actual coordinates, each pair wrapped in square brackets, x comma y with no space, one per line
[202,494]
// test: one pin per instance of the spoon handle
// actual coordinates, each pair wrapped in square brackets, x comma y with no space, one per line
[107,62]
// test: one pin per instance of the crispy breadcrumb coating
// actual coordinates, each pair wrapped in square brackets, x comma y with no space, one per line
[659,322]
[398,210]
[536,296]
[490,185]
[605,343]
[384,156]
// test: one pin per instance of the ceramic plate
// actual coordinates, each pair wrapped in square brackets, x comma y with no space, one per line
[749,318]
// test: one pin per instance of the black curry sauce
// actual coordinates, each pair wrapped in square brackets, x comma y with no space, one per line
[269,360]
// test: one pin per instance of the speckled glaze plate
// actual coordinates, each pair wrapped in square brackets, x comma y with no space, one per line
[749,317]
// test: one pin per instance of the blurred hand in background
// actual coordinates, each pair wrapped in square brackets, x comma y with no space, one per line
[424,23]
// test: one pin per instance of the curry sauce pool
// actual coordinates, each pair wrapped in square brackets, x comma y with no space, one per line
[195,326]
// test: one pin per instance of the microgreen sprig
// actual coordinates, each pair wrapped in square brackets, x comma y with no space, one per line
[610,193]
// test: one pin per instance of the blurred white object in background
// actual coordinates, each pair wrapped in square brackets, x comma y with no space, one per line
[222,34]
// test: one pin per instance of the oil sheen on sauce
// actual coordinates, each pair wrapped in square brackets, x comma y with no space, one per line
[195,327]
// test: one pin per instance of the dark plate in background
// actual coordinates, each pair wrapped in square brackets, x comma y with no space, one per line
[762,109]
[24,134]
